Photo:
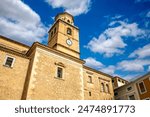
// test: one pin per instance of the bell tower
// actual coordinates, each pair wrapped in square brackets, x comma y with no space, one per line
[64,36]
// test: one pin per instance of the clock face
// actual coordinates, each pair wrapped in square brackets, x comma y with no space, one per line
[69,42]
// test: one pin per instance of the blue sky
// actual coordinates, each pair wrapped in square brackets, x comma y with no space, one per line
[114,34]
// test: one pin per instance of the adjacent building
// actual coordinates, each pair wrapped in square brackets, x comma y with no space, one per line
[138,89]
[118,82]
[143,87]
[51,72]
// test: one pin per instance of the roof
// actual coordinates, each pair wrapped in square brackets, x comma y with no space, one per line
[47,48]
[99,72]
[141,77]
[133,81]
[13,41]
[62,14]
[120,78]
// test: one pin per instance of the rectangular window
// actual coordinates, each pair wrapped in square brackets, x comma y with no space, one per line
[129,88]
[9,61]
[115,93]
[59,72]
[90,94]
[142,87]
[131,97]
[90,79]
[69,31]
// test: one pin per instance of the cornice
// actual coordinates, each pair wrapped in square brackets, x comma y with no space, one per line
[13,41]
[135,81]
[2,48]
[121,78]
[64,13]
[67,48]
[99,72]
[37,44]
[59,20]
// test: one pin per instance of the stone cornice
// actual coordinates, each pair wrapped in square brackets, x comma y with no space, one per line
[5,49]
[59,20]
[99,72]
[121,78]
[37,44]
[64,13]
[13,41]
[68,48]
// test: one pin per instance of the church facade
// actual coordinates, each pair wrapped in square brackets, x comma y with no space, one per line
[51,72]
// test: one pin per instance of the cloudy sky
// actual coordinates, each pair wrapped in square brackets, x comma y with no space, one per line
[114,34]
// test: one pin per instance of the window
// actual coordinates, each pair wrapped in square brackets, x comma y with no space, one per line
[142,87]
[90,79]
[9,61]
[107,88]
[129,88]
[116,93]
[102,87]
[131,97]
[119,80]
[59,72]
[122,81]
[68,21]
[112,81]
[69,31]
[90,94]
[51,33]
[54,30]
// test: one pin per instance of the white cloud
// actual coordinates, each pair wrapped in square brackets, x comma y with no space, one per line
[74,7]
[133,65]
[110,42]
[131,77]
[109,70]
[19,21]
[144,16]
[148,68]
[92,62]
[116,17]
[148,14]
[141,52]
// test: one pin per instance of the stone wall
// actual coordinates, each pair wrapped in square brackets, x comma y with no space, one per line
[94,87]
[44,83]
[12,79]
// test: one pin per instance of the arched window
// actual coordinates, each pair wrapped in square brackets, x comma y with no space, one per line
[107,88]
[90,94]
[54,30]
[102,87]
[51,33]
[69,31]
